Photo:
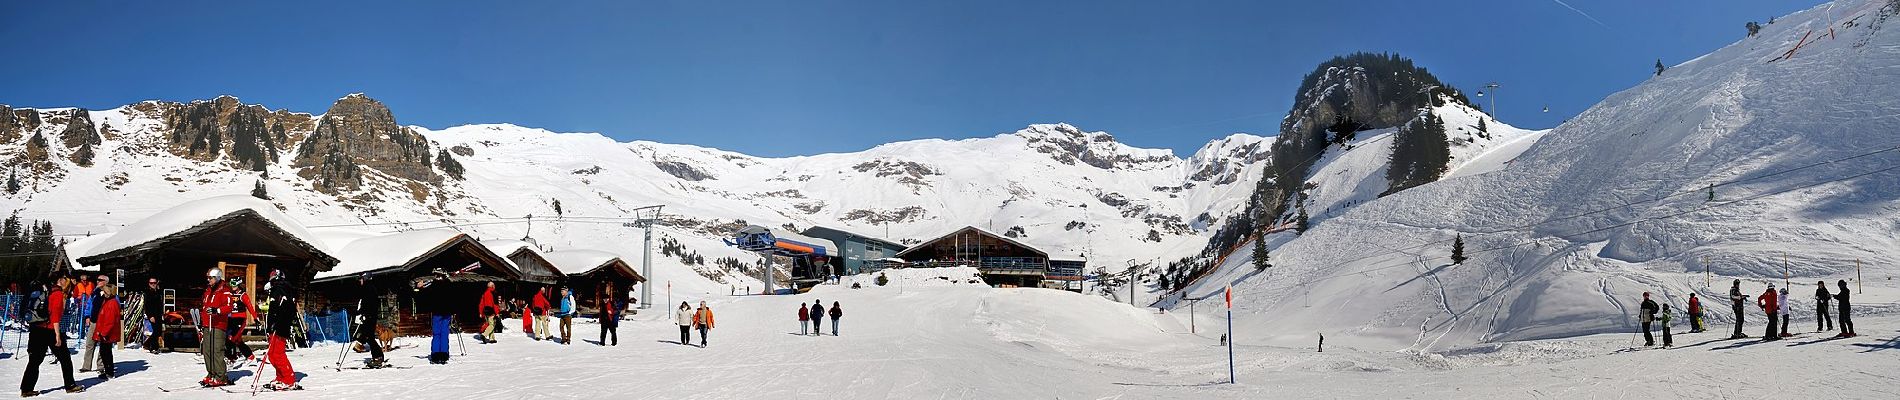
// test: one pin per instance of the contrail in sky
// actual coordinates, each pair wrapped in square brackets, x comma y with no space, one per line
[1580,12]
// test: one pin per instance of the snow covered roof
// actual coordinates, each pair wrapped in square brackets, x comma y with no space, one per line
[185,220]
[508,247]
[978,230]
[370,253]
[73,249]
[583,262]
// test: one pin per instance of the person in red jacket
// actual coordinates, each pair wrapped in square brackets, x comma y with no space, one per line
[241,315]
[43,337]
[216,307]
[804,319]
[539,307]
[106,333]
[1695,314]
[1768,304]
[490,315]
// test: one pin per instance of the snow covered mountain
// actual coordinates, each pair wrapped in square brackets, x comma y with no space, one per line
[1070,191]
[1770,159]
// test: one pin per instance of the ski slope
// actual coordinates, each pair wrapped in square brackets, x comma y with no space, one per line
[925,336]
[1565,229]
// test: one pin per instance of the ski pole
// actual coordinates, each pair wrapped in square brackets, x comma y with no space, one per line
[457,326]
[259,374]
[348,337]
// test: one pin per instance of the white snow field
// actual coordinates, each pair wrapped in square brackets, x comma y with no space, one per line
[1565,232]
[924,336]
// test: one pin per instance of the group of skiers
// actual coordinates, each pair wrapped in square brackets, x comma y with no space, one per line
[811,319]
[1772,302]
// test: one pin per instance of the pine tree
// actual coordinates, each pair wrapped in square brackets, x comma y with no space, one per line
[1458,249]
[259,191]
[1301,226]
[1261,259]
[1659,67]
[557,207]
[13,181]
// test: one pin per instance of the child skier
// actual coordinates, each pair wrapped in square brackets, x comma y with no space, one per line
[1668,339]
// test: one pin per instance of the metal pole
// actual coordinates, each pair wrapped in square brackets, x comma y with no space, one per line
[1857,279]
[646,268]
[1230,334]
[768,273]
[1191,305]
[1708,278]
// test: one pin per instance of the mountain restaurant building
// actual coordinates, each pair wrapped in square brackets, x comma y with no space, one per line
[1002,261]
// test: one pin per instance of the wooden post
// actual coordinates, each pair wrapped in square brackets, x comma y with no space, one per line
[1708,278]
[1784,269]
[1857,279]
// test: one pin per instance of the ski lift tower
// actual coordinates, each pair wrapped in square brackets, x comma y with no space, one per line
[767,244]
[1493,88]
[643,220]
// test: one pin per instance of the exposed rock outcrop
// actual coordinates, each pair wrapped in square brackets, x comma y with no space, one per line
[359,132]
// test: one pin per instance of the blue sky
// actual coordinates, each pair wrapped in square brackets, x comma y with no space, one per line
[778,78]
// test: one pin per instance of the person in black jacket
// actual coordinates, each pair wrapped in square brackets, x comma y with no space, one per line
[279,322]
[154,310]
[1647,315]
[1847,324]
[369,311]
[1822,320]
[1736,297]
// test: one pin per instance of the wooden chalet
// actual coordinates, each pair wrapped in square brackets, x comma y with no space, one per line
[588,271]
[392,261]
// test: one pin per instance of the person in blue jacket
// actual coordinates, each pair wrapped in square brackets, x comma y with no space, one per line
[566,312]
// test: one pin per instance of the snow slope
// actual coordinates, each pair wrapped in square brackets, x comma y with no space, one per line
[923,337]
[1565,235]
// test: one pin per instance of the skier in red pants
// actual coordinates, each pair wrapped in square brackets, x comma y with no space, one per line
[282,317]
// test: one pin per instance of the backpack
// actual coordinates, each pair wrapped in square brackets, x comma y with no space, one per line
[37,311]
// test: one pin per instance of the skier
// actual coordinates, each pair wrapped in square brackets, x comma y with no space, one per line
[804,319]
[279,325]
[817,318]
[1782,306]
[154,303]
[105,333]
[1736,297]
[540,308]
[685,319]
[609,316]
[703,319]
[1847,324]
[95,299]
[1822,320]
[1668,339]
[1647,314]
[42,316]
[836,313]
[216,308]
[491,315]
[1695,314]
[240,314]
[441,314]
[1768,302]
[567,316]
[369,310]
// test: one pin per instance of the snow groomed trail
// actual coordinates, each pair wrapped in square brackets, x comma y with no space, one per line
[927,337]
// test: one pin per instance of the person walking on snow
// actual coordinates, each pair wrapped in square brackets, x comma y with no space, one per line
[369,310]
[1736,297]
[42,315]
[106,332]
[684,316]
[1647,314]
[280,324]
[1695,314]
[703,319]
[1782,306]
[804,319]
[836,313]
[817,317]
[1768,304]
[1840,299]
[491,315]
[609,316]
[1668,339]
[154,313]
[540,308]
[1822,320]
[217,304]
[567,316]
[95,299]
